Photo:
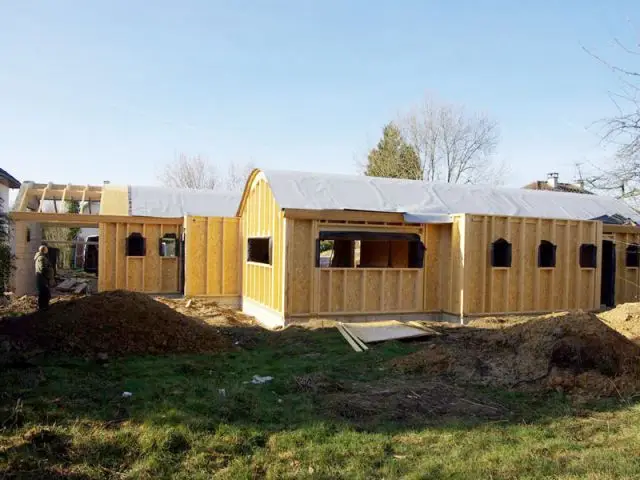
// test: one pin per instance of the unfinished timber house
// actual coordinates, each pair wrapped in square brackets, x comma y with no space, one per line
[300,245]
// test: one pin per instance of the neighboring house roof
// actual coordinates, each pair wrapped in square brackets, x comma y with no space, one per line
[11,180]
[423,202]
[176,202]
[560,187]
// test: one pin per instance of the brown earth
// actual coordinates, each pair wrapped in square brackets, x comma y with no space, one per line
[208,310]
[574,352]
[112,323]
[624,318]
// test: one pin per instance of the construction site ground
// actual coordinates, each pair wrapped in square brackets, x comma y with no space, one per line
[119,385]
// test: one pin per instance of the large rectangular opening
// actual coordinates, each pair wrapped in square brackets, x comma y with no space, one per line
[369,250]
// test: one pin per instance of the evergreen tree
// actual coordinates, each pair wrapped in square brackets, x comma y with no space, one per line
[393,157]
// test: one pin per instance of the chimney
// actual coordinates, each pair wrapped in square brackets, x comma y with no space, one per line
[552,180]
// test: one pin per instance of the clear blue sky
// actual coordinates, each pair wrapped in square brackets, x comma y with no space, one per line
[112,90]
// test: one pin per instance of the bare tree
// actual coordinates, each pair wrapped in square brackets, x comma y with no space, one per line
[190,172]
[621,176]
[454,146]
[237,176]
[195,172]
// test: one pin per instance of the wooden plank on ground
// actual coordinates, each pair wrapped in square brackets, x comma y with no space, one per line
[80,288]
[357,340]
[348,338]
[370,332]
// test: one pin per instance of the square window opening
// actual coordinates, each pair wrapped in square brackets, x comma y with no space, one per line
[169,245]
[259,250]
[136,245]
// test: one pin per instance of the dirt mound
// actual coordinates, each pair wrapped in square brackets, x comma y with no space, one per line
[571,351]
[208,310]
[625,318]
[113,323]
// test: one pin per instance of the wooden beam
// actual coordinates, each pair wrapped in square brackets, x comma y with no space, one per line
[43,197]
[77,219]
[344,215]
[620,229]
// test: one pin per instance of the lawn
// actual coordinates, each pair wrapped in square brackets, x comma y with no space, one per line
[329,412]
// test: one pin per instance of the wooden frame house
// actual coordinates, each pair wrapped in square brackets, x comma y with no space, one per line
[299,245]
[406,249]
[150,238]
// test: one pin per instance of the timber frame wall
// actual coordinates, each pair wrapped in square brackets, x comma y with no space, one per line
[150,273]
[263,287]
[313,291]
[627,278]
[479,288]
[212,258]
[457,277]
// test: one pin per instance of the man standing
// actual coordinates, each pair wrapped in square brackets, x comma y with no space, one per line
[44,277]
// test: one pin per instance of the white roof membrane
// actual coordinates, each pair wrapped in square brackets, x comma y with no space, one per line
[429,202]
[174,202]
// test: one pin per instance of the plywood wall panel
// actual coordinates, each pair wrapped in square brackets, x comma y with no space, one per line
[627,286]
[212,256]
[135,274]
[524,286]
[262,217]
[148,274]
[153,271]
[300,267]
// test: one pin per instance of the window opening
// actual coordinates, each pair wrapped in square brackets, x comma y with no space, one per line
[259,250]
[588,255]
[136,245]
[546,254]
[501,253]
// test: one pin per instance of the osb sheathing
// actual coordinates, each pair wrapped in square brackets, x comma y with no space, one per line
[437,291]
[262,217]
[627,280]
[525,287]
[349,291]
[212,256]
[150,273]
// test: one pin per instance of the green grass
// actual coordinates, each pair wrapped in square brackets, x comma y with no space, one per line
[66,418]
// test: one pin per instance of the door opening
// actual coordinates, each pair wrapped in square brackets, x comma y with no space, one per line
[181,259]
[608,285]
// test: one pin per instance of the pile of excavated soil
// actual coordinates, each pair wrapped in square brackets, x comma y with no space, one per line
[113,323]
[625,318]
[208,310]
[569,352]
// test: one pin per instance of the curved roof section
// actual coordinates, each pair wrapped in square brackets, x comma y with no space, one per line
[319,191]
[177,202]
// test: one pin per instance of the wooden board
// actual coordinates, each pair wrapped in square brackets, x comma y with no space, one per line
[212,256]
[371,332]
[149,273]
[262,217]
[524,286]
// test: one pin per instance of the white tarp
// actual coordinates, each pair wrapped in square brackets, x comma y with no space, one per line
[357,192]
[177,202]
